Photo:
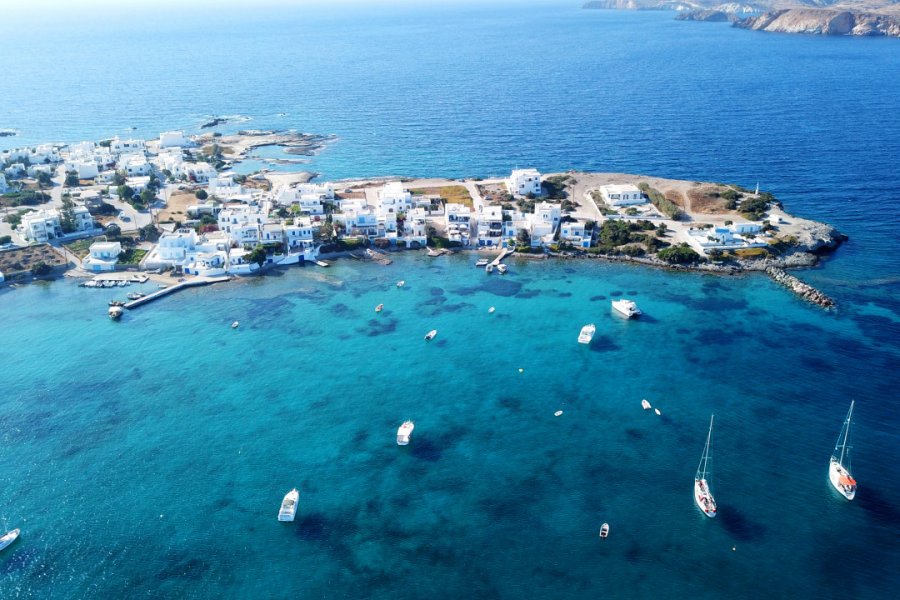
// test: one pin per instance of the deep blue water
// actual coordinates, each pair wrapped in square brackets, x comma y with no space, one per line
[148,457]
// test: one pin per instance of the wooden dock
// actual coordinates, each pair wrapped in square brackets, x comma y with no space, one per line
[172,289]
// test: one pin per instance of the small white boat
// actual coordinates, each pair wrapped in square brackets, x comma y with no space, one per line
[587,334]
[235,325]
[135,296]
[502,268]
[9,538]
[626,307]
[702,494]
[430,335]
[491,310]
[401,283]
[115,312]
[656,410]
[432,252]
[289,506]
[482,262]
[379,308]
[489,268]
[604,530]
[839,466]
[558,413]
[404,431]
[645,404]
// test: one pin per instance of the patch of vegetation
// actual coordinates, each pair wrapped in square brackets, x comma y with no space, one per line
[754,209]
[615,233]
[41,268]
[555,186]
[5,239]
[751,253]
[132,256]
[80,248]
[24,198]
[680,254]
[665,206]
[455,194]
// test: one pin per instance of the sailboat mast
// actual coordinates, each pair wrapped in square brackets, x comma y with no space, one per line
[846,432]
[704,459]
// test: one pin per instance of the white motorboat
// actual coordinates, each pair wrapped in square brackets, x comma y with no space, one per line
[656,410]
[482,262]
[289,506]
[430,335]
[587,334]
[491,310]
[839,467]
[379,308]
[404,431]
[501,268]
[135,296]
[489,268]
[235,325]
[401,283]
[9,538]
[558,413]
[646,404]
[432,252]
[626,307]
[702,494]
[604,530]
[115,312]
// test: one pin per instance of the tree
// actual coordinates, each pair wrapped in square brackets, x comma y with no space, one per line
[201,195]
[41,268]
[5,239]
[257,255]
[679,254]
[44,179]
[149,233]
[67,214]
[661,230]
[113,231]
[72,178]
[119,178]
[148,197]
[523,238]
[125,192]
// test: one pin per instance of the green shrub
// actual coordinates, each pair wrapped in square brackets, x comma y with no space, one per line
[681,254]
[665,206]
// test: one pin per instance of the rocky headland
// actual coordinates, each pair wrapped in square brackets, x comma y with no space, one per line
[819,17]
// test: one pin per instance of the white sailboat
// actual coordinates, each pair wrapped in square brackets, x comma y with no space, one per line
[702,494]
[839,468]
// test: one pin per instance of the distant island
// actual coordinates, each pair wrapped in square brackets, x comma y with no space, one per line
[821,17]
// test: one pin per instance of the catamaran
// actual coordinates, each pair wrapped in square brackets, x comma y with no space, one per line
[702,494]
[839,468]
[627,308]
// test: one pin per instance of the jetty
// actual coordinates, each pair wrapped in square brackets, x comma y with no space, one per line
[506,252]
[804,290]
[198,281]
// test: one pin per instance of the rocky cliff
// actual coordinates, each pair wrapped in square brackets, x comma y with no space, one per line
[823,22]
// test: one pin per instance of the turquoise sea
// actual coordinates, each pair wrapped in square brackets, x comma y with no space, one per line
[148,457]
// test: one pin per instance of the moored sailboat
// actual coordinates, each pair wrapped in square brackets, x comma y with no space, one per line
[702,494]
[839,467]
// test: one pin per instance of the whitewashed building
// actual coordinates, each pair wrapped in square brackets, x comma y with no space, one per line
[45,225]
[544,222]
[172,139]
[173,248]
[458,223]
[309,197]
[135,165]
[622,195]
[84,168]
[118,146]
[415,227]
[490,226]
[575,233]
[523,182]
[103,256]
[392,198]
[357,218]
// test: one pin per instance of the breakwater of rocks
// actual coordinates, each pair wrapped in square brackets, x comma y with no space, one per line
[804,290]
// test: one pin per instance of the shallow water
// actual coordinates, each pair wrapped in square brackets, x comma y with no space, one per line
[169,438]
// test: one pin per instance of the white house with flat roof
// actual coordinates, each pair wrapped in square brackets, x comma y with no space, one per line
[174,247]
[358,218]
[135,165]
[490,226]
[309,197]
[103,256]
[199,172]
[84,168]
[622,195]
[575,233]
[172,139]
[523,182]
[44,225]
[458,223]
[393,198]
[119,146]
